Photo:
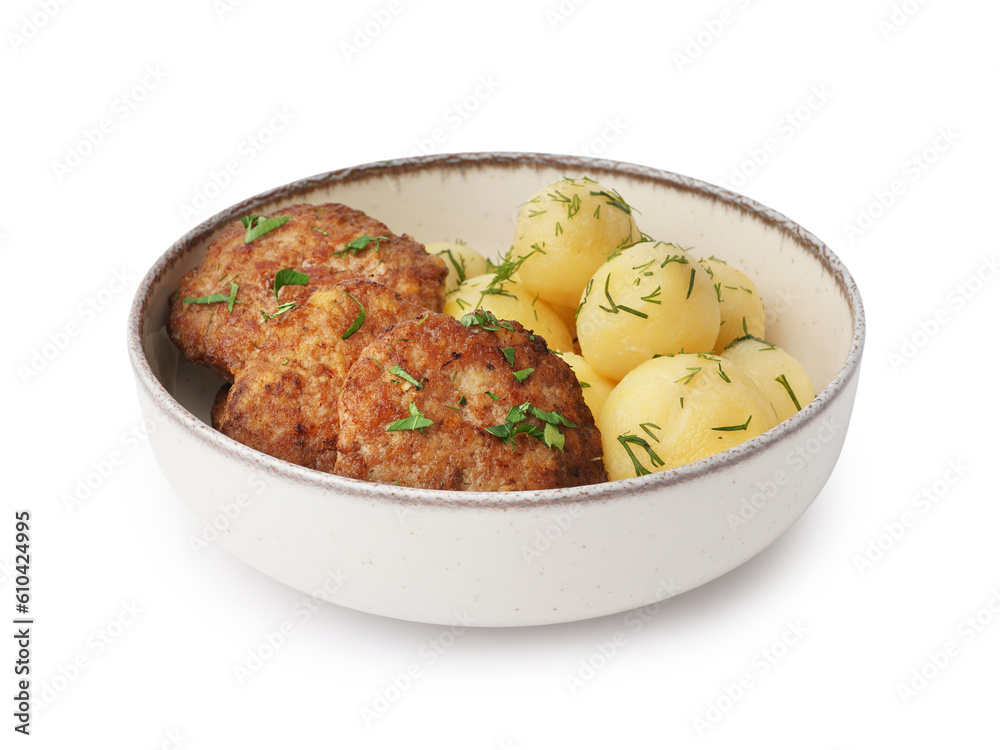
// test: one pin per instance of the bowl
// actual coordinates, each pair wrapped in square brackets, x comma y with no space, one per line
[518,558]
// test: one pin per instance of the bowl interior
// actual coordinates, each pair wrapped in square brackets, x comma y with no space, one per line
[806,290]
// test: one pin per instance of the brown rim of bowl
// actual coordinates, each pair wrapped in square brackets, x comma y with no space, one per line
[533,498]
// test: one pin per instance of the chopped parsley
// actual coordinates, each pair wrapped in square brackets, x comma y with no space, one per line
[416,421]
[360,243]
[258,226]
[229,299]
[397,370]
[515,424]
[522,375]
[358,321]
[485,320]
[289,277]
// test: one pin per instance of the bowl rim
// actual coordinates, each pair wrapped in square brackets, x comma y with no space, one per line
[361,489]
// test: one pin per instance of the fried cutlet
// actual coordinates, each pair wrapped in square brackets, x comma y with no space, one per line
[329,242]
[283,401]
[439,404]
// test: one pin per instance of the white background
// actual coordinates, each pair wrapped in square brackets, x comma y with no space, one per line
[855,96]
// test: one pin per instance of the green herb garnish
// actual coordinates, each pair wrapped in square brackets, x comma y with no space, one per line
[229,299]
[289,277]
[358,321]
[735,427]
[360,243]
[784,384]
[640,470]
[397,370]
[485,320]
[685,380]
[258,226]
[521,375]
[416,421]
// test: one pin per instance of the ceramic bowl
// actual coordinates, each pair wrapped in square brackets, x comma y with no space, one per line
[520,558]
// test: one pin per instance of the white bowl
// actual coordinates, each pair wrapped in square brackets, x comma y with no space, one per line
[521,558]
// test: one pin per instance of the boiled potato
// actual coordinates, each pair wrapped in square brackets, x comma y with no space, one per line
[740,305]
[509,300]
[564,232]
[670,411]
[595,387]
[463,262]
[778,374]
[568,316]
[650,298]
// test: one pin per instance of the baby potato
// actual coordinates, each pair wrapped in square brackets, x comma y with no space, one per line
[463,262]
[740,305]
[650,298]
[780,376]
[509,300]
[564,232]
[595,387]
[673,410]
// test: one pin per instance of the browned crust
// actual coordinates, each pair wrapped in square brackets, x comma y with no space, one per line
[313,241]
[457,453]
[284,400]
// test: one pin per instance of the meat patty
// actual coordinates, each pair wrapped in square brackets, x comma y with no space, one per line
[284,399]
[438,404]
[316,240]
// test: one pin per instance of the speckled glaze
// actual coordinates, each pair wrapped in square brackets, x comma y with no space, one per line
[524,558]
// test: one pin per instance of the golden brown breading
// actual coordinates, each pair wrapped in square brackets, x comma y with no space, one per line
[313,241]
[458,367]
[284,400]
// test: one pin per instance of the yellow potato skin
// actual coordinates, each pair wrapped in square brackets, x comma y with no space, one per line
[516,303]
[651,395]
[766,364]
[463,262]
[596,388]
[576,231]
[740,305]
[660,281]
